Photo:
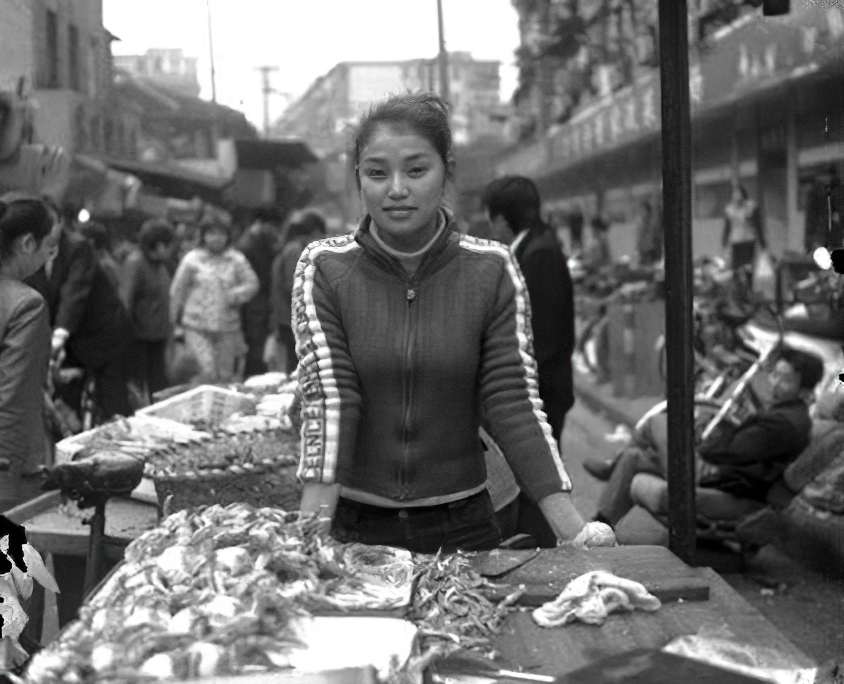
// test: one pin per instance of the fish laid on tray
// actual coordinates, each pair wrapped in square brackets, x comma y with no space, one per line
[218,591]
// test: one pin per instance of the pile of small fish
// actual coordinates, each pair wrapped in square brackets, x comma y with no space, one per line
[211,591]
[224,451]
[451,603]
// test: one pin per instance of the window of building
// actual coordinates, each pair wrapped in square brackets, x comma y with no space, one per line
[73,56]
[52,50]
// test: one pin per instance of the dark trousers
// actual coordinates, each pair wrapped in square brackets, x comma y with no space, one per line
[467,525]
[112,393]
[288,339]
[148,365]
[615,500]
[255,317]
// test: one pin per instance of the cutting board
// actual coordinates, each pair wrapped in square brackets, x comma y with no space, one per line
[545,575]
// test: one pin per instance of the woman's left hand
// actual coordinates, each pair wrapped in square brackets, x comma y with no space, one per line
[594,535]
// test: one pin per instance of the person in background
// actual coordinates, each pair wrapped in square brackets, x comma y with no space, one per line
[28,233]
[742,229]
[211,283]
[742,460]
[575,221]
[304,227]
[598,253]
[259,244]
[97,234]
[145,293]
[512,204]
[649,234]
[411,336]
[90,327]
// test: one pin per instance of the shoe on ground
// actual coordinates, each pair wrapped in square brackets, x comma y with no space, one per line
[600,468]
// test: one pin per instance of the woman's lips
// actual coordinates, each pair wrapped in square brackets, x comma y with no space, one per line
[399,212]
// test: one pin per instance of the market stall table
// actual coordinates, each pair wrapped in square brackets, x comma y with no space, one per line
[560,650]
[57,531]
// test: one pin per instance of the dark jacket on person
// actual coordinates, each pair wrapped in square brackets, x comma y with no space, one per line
[24,361]
[751,457]
[397,374]
[549,286]
[82,300]
[281,291]
[145,293]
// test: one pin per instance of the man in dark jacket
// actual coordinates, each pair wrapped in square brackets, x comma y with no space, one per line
[88,321]
[259,246]
[512,204]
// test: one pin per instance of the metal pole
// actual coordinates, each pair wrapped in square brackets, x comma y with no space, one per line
[211,53]
[267,90]
[676,225]
[442,58]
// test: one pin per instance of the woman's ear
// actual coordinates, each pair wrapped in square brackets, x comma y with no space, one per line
[27,243]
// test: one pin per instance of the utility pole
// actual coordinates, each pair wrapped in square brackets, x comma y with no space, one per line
[677,231]
[442,58]
[267,90]
[211,53]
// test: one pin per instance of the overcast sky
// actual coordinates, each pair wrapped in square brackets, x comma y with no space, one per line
[305,38]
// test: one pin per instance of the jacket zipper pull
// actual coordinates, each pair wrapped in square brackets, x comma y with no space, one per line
[411,295]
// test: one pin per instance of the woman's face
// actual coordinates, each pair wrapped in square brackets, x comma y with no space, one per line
[215,240]
[402,179]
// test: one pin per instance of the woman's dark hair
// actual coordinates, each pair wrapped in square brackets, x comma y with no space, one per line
[309,222]
[425,113]
[153,233]
[96,234]
[516,198]
[207,225]
[808,366]
[22,216]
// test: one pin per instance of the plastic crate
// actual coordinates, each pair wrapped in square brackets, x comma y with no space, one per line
[204,403]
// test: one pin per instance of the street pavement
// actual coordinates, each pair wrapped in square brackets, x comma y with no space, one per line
[805,606]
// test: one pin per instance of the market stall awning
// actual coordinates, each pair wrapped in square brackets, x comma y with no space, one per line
[174,180]
[102,190]
[270,154]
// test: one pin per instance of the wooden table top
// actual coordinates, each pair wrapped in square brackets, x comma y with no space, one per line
[560,650]
[50,529]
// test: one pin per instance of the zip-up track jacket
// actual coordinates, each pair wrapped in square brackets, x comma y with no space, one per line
[398,373]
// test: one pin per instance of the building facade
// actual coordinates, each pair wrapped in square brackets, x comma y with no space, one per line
[167,69]
[326,115]
[61,53]
[767,113]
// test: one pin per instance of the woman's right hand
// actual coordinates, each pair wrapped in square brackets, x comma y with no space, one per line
[321,500]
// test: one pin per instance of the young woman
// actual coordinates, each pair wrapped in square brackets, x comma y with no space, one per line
[145,292]
[27,235]
[211,283]
[410,337]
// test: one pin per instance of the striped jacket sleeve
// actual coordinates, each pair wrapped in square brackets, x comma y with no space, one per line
[511,407]
[328,381]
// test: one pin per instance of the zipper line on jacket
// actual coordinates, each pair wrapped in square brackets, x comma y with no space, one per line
[408,382]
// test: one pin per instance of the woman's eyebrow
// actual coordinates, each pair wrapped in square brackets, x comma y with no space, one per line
[410,157]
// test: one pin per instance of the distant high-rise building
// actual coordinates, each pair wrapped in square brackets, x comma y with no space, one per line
[166,69]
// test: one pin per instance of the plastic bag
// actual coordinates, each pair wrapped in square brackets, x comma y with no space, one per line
[764,276]
[182,365]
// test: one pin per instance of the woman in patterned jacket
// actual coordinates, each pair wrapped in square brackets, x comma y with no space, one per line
[211,283]
[410,337]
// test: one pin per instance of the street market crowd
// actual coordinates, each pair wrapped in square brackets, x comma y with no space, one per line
[435,366]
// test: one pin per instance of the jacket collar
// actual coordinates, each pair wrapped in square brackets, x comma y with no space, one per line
[436,256]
